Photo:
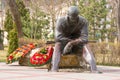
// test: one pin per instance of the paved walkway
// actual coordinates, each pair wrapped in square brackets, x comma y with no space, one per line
[16,72]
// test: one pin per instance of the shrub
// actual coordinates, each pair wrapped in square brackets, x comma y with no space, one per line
[106,53]
[8,23]
[23,41]
[13,41]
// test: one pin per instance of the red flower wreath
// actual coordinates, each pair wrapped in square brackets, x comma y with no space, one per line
[42,57]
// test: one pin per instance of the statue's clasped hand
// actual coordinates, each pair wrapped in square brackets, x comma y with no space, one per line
[67,48]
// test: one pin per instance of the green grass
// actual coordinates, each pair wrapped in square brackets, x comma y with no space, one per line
[3,54]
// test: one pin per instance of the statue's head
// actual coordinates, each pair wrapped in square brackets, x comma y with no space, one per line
[73,13]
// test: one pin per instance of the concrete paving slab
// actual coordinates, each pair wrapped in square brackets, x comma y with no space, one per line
[16,72]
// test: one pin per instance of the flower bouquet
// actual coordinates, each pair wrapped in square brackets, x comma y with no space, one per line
[19,52]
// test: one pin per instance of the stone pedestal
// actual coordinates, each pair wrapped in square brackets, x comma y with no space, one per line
[24,61]
[67,61]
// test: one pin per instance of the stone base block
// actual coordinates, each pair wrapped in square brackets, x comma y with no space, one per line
[67,61]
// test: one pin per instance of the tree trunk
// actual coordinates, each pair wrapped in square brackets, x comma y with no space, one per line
[1,46]
[1,40]
[119,20]
[13,7]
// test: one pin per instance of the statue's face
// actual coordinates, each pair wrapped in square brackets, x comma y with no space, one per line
[73,18]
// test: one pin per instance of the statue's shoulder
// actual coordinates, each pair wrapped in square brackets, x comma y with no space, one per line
[61,19]
[84,20]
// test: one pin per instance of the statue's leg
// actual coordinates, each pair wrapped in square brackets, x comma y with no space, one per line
[89,58]
[78,50]
[56,57]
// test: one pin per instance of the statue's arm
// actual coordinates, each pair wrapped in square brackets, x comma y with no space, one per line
[83,37]
[59,32]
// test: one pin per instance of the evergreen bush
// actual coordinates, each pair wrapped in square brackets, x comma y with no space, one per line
[8,24]
[13,41]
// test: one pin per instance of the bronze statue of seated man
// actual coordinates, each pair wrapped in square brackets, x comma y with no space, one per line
[71,34]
